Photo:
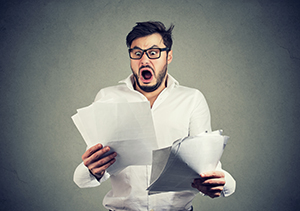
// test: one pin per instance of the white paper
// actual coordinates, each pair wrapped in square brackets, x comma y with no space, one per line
[126,127]
[85,123]
[130,152]
[186,159]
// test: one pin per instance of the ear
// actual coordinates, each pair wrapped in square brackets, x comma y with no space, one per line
[170,56]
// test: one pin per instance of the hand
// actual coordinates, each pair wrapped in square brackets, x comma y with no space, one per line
[211,183]
[91,159]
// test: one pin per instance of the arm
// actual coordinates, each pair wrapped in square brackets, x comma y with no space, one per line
[83,176]
[218,182]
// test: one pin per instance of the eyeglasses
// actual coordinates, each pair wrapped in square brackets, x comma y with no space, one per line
[152,53]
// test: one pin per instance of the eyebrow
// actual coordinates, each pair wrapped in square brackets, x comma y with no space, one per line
[153,46]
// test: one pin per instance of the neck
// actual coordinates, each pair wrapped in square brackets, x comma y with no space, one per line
[152,96]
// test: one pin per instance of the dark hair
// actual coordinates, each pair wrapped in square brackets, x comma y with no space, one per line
[143,29]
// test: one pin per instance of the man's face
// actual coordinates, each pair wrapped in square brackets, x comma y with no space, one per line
[150,74]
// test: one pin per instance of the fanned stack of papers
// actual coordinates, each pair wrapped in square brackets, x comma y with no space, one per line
[127,128]
[174,168]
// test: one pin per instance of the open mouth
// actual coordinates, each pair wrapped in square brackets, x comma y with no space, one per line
[146,75]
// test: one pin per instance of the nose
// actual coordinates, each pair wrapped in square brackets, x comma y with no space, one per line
[144,59]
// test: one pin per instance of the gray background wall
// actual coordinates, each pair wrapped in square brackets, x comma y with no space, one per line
[55,56]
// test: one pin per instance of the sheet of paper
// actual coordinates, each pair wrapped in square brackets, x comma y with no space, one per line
[186,159]
[85,123]
[130,152]
[126,127]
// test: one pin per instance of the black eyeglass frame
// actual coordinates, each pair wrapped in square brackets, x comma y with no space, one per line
[145,51]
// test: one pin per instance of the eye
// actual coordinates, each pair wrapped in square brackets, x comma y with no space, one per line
[137,53]
[153,52]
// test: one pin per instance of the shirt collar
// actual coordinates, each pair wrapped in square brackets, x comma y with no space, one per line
[129,81]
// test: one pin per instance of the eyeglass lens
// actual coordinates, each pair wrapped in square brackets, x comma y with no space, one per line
[153,53]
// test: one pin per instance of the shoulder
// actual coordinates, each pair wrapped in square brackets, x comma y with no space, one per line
[188,92]
[178,89]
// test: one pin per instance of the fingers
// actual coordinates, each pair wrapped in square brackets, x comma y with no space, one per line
[91,151]
[213,174]
[103,162]
[211,183]
[98,170]
[97,164]
[211,191]
[93,154]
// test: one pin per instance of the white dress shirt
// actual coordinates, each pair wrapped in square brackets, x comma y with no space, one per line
[177,112]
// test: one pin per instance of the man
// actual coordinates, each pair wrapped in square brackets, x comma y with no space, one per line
[177,112]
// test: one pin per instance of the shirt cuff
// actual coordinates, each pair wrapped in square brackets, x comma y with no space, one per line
[84,179]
